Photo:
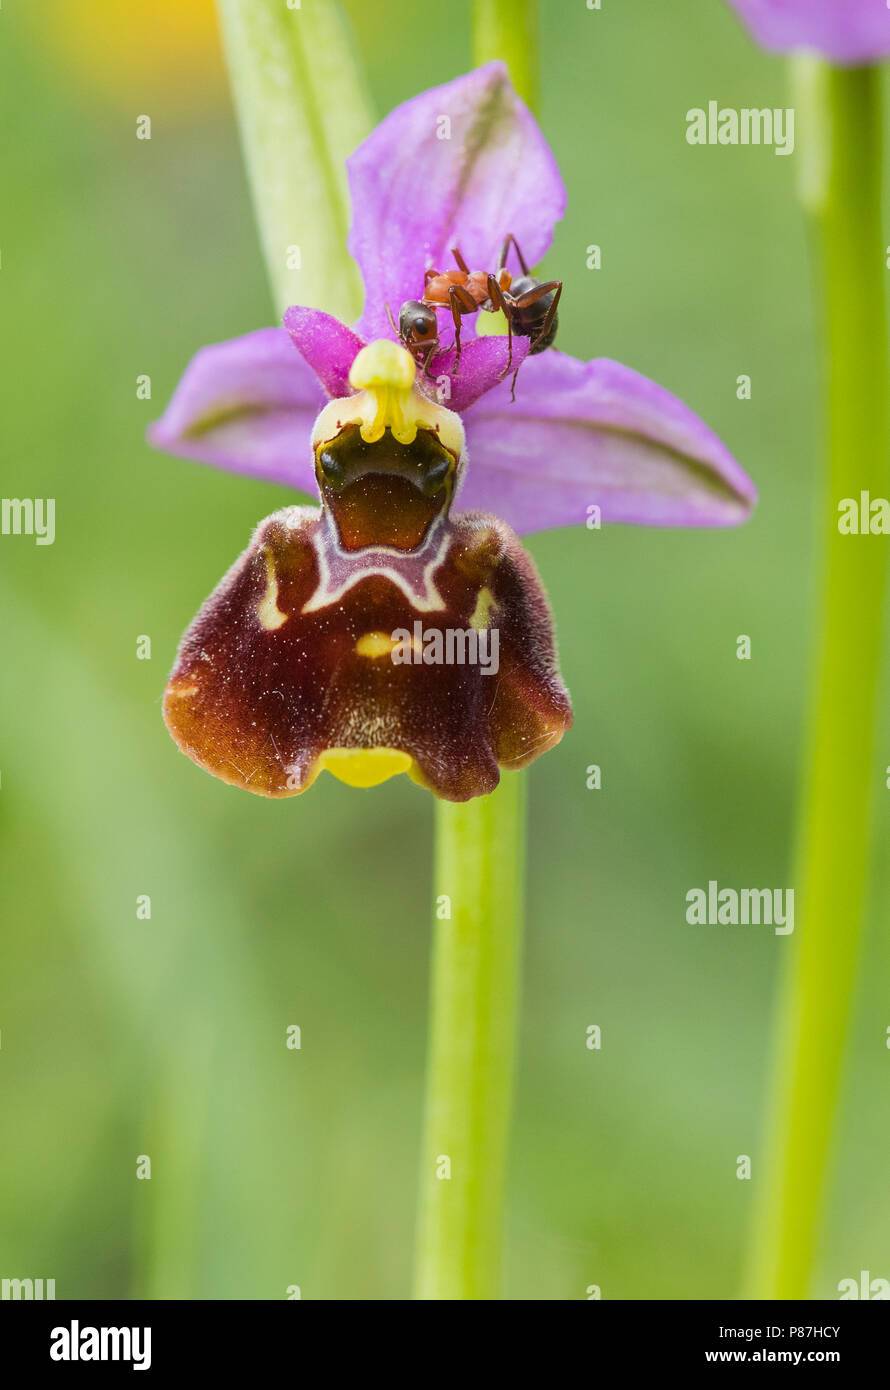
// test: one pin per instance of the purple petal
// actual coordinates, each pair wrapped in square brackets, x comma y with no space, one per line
[483,363]
[849,31]
[584,434]
[247,405]
[327,345]
[462,164]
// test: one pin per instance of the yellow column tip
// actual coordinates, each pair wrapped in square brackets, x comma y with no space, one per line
[382,363]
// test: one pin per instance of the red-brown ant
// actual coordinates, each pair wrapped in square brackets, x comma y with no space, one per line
[528,305]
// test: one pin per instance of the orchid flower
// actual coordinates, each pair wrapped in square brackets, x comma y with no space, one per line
[295,663]
[845,31]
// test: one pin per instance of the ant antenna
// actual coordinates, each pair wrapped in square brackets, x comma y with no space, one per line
[508,241]
[391,319]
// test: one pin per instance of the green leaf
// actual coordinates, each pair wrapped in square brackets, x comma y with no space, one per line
[302,109]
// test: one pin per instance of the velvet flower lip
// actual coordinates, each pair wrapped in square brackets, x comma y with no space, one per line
[383,632]
[848,32]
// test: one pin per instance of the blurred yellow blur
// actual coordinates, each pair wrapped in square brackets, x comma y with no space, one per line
[167,48]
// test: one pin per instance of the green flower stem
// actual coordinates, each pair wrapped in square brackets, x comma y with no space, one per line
[842,772]
[474,1005]
[508,29]
[301,106]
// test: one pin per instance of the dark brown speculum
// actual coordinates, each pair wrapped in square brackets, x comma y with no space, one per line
[384,493]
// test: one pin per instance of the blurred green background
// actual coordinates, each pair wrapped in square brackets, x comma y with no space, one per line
[166,1037]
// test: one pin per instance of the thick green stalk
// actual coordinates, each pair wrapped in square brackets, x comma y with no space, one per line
[842,771]
[508,29]
[474,1005]
[300,99]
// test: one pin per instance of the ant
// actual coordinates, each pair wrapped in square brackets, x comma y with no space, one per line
[528,305]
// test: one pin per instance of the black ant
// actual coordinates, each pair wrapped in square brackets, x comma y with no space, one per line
[528,305]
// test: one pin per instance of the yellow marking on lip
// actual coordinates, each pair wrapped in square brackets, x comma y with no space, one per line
[482,612]
[268,612]
[375,644]
[365,767]
[180,690]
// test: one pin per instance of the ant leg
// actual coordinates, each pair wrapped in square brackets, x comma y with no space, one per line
[496,295]
[461,263]
[509,347]
[505,303]
[429,275]
[455,314]
[510,238]
[551,313]
[513,387]
[462,302]
[429,357]
[532,296]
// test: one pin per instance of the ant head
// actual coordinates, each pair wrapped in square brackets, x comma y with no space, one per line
[417,322]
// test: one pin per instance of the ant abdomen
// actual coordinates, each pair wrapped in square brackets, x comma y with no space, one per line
[546,339]
[528,322]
